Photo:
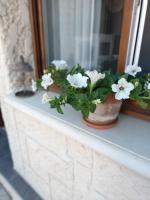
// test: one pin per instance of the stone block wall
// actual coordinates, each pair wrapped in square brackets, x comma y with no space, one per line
[15,40]
[61,168]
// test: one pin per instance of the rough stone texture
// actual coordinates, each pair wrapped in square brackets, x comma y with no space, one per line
[15,40]
[67,170]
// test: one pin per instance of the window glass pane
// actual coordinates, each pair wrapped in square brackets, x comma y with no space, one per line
[86,32]
[144,60]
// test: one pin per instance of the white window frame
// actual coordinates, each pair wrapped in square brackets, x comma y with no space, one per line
[136,31]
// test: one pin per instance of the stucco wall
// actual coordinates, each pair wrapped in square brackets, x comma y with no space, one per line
[61,168]
[15,40]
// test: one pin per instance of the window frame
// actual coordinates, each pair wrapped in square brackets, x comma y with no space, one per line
[136,32]
[133,53]
[37,31]
[36,20]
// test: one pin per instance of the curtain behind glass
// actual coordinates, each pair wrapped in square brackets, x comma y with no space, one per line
[73,31]
[85,32]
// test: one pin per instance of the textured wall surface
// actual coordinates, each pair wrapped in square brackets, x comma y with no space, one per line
[60,168]
[15,40]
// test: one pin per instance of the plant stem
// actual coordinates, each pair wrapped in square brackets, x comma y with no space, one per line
[145,98]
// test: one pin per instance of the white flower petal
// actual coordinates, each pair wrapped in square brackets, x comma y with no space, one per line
[118,95]
[132,70]
[46,81]
[147,85]
[122,89]
[60,64]
[94,76]
[121,95]
[46,98]
[34,86]
[115,88]
[77,80]
[129,87]
[122,81]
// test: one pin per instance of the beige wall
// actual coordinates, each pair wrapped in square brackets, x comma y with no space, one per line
[61,168]
[15,40]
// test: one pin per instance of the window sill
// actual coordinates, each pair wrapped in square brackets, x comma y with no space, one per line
[128,143]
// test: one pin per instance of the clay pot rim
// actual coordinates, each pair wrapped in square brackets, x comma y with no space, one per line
[100,126]
[111,99]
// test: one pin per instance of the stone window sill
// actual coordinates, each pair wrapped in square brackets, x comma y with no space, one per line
[128,143]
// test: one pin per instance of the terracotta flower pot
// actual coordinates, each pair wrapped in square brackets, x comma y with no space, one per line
[105,115]
[132,108]
[54,88]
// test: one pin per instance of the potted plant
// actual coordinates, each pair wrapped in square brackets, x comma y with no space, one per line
[53,76]
[97,95]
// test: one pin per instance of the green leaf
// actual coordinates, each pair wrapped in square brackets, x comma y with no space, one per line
[59,110]
[56,103]
[38,83]
[85,112]
[92,107]
[101,93]
[76,69]
[143,104]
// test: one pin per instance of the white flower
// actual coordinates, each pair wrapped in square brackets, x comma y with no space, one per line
[46,98]
[94,76]
[147,85]
[132,70]
[60,64]
[34,86]
[46,80]
[77,80]
[122,89]
[97,101]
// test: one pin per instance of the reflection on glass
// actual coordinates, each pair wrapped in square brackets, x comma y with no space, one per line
[83,31]
[144,60]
